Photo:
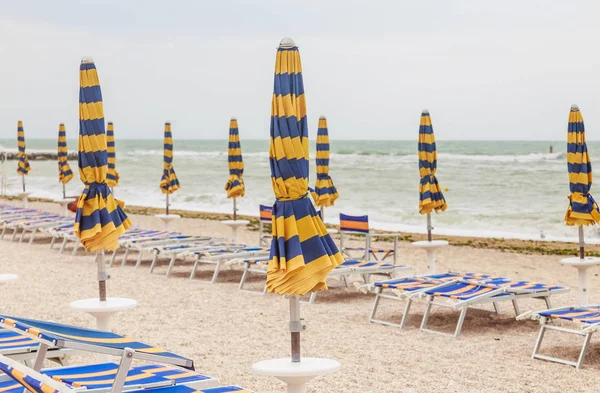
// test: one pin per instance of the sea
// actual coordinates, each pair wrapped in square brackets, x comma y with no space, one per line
[495,189]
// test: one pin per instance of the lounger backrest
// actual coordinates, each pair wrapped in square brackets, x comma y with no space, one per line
[266,213]
[67,336]
[359,224]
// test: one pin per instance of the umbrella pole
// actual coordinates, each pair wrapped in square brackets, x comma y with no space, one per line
[64,191]
[429,228]
[167,209]
[295,327]
[234,209]
[323,214]
[581,243]
[23,181]
[102,276]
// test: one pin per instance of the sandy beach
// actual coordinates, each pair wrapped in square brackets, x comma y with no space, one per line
[225,330]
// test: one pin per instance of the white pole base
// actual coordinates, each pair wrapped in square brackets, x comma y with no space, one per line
[25,197]
[582,266]
[167,218]
[235,224]
[295,375]
[7,278]
[430,247]
[102,311]
[65,205]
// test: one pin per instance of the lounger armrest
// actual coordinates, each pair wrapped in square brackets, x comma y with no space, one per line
[525,315]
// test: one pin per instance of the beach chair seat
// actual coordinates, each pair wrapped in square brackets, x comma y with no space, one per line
[34,227]
[154,245]
[359,225]
[227,255]
[468,293]
[585,318]
[265,218]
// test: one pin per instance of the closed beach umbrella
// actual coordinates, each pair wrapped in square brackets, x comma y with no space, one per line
[168,183]
[64,170]
[325,192]
[112,177]
[430,193]
[235,184]
[99,220]
[23,166]
[582,210]
[302,252]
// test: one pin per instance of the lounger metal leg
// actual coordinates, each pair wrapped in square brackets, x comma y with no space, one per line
[584,349]
[496,308]
[461,320]
[40,356]
[171,264]
[216,273]
[548,302]
[538,341]
[406,311]
[243,279]
[139,260]
[313,296]
[154,260]
[32,236]
[63,245]
[516,307]
[3,232]
[193,273]
[426,314]
[112,258]
[395,249]
[75,248]
[22,236]
[124,261]
[124,366]
[265,289]
[52,242]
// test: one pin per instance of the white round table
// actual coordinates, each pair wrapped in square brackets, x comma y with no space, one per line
[7,278]
[102,311]
[65,204]
[582,266]
[295,375]
[430,247]
[235,224]
[25,197]
[167,218]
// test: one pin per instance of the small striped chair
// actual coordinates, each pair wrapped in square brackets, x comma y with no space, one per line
[586,318]
[360,225]
[265,218]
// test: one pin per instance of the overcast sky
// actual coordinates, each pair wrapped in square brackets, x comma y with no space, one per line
[485,70]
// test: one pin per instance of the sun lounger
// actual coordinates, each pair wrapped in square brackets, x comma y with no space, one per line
[36,382]
[586,318]
[221,256]
[183,251]
[265,218]
[20,347]
[101,377]
[41,225]
[349,267]
[151,245]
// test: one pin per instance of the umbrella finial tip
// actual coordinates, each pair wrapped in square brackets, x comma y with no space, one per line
[87,59]
[574,107]
[233,118]
[425,111]
[287,42]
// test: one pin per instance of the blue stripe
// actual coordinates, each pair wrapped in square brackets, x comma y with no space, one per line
[346,217]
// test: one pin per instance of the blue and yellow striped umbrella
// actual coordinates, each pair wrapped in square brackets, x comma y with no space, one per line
[582,210]
[302,251]
[99,220]
[64,170]
[325,192]
[112,176]
[430,193]
[235,184]
[169,182]
[23,166]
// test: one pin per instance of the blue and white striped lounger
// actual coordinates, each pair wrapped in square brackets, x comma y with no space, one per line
[36,382]
[586,318]
[471,292]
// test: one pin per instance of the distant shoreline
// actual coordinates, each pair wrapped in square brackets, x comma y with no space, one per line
[558,248]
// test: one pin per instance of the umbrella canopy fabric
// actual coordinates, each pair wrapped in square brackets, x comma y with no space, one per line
[23,166]
[64,170]
[112,177]
[325,192]
[169,182]
[99,220]
[582,210]
[430,192]
[235,184]
[302,251]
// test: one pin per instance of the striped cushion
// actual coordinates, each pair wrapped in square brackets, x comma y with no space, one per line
[583,314]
